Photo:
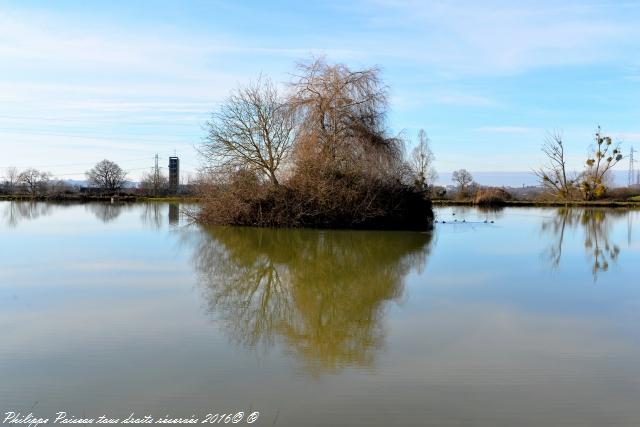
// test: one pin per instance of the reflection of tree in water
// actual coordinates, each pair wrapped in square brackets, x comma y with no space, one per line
[321,292]
[596,225]
[18,211]
[106,212]
[491,213]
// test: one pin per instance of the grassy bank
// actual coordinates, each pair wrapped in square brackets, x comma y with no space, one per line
[170,199]
[96,198]
[523,203]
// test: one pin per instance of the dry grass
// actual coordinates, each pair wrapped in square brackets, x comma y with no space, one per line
[491,196]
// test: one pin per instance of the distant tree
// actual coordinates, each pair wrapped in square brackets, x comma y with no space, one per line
[463,178]
[11,178]
[421,163]
[605,155]
[34,180]
[107,175]
[152,183]
[554,176]
[253,129]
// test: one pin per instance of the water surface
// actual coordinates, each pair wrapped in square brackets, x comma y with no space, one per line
[524,316]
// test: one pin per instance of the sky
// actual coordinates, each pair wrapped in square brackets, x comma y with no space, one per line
[126,80]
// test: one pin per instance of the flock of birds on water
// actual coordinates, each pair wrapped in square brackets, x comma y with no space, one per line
[486,221]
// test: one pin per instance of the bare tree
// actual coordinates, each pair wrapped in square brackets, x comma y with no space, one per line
[107,175]
[343,117]
[34,180]
[253,129]
[463,178]
[11,177]
[554,176]
[605,156]
[421,162]
[344,168]
[154,183]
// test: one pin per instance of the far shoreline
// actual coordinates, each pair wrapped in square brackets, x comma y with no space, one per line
[94,198]
[541,203]
[436,202]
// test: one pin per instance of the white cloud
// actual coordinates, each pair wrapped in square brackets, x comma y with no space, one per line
[502,37]
[29,39]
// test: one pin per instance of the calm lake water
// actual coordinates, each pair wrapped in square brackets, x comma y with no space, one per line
[530,320]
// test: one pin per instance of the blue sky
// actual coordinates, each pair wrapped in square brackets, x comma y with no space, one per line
[124,80]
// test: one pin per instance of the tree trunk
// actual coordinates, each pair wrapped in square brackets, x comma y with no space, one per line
[273,179]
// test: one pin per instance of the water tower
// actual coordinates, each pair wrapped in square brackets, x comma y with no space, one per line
[174,174]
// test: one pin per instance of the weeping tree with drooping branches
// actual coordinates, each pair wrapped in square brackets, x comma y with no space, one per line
[343,116]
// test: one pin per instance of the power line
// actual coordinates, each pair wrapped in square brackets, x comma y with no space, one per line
[632,175]
[93,163]
[156,171]
[82,173]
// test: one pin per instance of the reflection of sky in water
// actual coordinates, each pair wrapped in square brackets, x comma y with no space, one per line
[118,310]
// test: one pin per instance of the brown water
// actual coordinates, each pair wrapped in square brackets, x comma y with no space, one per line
[529,320]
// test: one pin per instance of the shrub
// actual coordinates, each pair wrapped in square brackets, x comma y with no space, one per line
[336,202]
[491,196]
[623,193]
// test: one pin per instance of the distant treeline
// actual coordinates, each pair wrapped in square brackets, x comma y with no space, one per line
[105,179]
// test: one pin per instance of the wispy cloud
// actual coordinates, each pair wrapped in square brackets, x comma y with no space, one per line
[465,100]
[65,72]
[506,129]
[481,38]
[629,137]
